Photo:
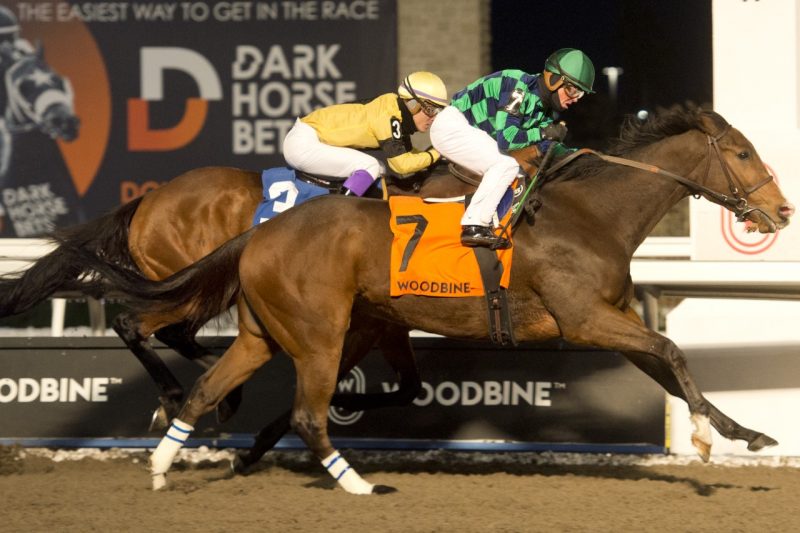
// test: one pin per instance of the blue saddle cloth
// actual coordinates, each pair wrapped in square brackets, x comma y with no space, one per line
[282,190]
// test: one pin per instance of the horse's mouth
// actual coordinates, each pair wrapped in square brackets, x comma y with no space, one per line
[758,220]
[60,123]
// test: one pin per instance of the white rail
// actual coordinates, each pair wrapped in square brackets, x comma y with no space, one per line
[18,254]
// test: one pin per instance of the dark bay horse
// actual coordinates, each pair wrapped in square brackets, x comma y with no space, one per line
[570,278]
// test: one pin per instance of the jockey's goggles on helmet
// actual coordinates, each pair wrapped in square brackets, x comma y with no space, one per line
[430,109]
[572,91]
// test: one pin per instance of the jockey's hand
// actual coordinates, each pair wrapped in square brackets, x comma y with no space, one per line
[555,131]
[435,155]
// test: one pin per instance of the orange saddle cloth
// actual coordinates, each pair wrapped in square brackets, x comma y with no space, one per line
[427,256]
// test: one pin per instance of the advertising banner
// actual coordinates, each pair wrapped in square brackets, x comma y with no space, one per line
[103,101]
[769,118]
[534,398]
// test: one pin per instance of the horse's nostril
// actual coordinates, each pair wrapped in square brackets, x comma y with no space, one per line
[786,210]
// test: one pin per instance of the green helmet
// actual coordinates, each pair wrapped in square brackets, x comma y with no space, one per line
[573,65]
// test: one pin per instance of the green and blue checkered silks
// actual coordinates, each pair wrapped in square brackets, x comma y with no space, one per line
[507,106]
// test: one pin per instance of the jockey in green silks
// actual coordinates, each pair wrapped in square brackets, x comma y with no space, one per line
[507,110]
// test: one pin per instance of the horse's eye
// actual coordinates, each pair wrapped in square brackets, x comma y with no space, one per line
[743,155]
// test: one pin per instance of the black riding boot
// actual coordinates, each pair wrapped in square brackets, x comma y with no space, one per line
[482,236]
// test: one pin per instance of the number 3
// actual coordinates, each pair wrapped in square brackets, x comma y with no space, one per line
[395,125]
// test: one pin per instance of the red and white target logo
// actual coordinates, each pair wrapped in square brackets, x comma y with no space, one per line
[736,236]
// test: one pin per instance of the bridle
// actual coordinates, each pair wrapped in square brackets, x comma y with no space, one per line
[739,205]
[737,202]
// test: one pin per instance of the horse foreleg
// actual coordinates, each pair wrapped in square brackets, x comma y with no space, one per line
[127,327]
[359,339]
[181,338]
[247,353]
[395,347]
[316,381]
[726,426]
[608,327]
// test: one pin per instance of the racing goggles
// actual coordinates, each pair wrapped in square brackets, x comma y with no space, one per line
[430,109]
[573,91]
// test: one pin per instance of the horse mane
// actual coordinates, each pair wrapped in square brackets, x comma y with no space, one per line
[635,134]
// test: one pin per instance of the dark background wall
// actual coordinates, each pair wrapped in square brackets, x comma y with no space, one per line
[664,49]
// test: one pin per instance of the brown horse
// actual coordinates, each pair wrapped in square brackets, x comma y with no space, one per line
[176,225]
[570,278]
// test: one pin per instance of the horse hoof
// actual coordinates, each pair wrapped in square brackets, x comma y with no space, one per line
[159,481]
[762,441]
[701,436]
[240,465]
[160,420]
[383,489]
[703,448]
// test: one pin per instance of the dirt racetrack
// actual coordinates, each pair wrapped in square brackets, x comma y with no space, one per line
[438,491]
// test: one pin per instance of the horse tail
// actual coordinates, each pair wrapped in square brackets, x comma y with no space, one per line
[62,270]
[195,294]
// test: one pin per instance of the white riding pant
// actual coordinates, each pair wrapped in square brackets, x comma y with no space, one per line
[474,149]
[303,150]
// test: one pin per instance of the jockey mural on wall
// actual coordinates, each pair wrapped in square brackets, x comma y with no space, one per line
[139,92]
[36,108]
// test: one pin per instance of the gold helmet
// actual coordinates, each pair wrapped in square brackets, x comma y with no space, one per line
[427,89]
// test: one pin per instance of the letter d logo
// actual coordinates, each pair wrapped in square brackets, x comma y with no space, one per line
[154,60]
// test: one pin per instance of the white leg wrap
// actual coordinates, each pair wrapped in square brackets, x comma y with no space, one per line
[343,473]
[166,451]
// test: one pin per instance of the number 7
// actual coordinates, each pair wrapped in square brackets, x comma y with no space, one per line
[421,223]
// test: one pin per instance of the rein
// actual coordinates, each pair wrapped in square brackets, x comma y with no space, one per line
[736,203]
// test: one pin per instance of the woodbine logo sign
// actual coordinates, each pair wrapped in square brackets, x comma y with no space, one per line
[453,394]
[483,393]
[56,390]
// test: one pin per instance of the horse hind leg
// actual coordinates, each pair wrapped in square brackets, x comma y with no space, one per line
[129,328]
[395,346]
[181,338]
[247,353]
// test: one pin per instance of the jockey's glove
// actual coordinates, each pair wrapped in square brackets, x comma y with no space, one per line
[435,155]
[556,131]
